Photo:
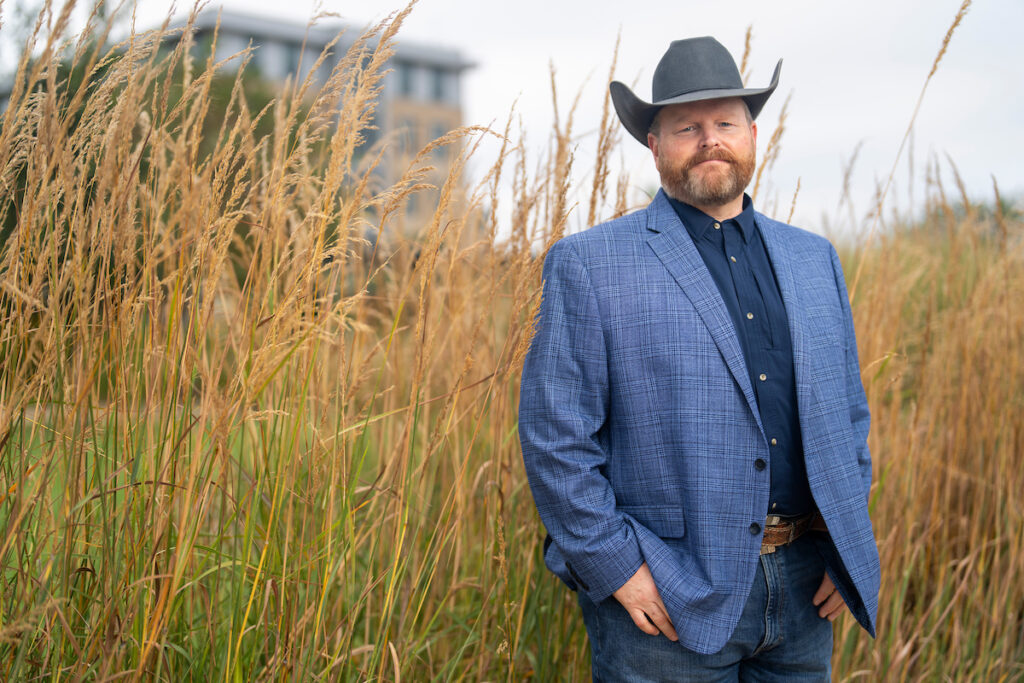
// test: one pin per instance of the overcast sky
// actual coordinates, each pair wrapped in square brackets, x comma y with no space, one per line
[854,70]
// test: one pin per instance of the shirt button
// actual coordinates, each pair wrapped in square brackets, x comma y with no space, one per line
[775,442]
[760,464]
[718,226]
[750,316]
[755,528]
[733,259]
[762,377]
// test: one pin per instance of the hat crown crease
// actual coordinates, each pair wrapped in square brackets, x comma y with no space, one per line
[680,74]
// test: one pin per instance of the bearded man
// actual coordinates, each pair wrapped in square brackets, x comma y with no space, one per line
[693,422]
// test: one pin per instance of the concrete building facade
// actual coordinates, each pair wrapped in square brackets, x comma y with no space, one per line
[421,93]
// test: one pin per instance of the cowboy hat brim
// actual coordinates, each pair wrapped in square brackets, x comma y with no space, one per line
[637,115]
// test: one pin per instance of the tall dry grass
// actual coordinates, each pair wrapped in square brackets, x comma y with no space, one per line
[237,444]
[941,334]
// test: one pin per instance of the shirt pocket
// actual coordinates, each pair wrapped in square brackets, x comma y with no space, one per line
[665,521]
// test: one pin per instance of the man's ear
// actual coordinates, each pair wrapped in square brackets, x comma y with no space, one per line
[652,144]
[753,130]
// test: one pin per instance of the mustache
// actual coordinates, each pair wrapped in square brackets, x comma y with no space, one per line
[711,155]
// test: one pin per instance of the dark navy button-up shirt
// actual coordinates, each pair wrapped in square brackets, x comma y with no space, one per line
[734,253]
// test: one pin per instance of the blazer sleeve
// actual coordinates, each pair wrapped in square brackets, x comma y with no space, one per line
[860,418]
[562,411]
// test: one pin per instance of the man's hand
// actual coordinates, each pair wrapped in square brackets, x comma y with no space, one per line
[828,600]
[640,597]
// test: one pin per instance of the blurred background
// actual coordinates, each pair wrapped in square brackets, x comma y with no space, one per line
[853,71]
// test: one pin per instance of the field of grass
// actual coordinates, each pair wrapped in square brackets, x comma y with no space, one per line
[239,442]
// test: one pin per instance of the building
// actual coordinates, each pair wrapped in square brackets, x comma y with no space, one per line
[420,98]
[421,95]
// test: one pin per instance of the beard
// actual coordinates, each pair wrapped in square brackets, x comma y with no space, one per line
[710,186]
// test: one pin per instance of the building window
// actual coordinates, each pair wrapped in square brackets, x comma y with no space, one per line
[405,79]
[293,59]
[438,79]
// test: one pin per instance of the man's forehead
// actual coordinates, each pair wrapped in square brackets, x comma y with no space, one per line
[722,105]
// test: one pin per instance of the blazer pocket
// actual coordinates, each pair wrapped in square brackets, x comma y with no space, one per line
[666,521]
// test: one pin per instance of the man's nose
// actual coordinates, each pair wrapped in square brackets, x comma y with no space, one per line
[709,138]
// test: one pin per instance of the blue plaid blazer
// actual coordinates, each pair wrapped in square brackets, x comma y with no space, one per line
[640,429]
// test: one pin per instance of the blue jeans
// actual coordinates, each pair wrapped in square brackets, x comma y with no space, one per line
[780,636]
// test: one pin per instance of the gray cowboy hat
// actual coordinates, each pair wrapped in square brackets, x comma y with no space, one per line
[691,70]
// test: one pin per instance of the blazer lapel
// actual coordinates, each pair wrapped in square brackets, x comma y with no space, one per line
[782,262]
[674,247]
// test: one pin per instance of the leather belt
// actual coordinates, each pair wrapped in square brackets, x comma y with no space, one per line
[779,531]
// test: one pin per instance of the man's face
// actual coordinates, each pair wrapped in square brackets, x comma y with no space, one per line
[704,151]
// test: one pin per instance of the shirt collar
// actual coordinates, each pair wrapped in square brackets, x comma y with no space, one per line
[697,222]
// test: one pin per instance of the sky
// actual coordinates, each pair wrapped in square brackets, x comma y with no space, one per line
[853,71]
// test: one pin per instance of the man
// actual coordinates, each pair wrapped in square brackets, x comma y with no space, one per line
[692,418]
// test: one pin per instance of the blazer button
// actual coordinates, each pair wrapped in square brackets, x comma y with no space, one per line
[760,464]
[755,528]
